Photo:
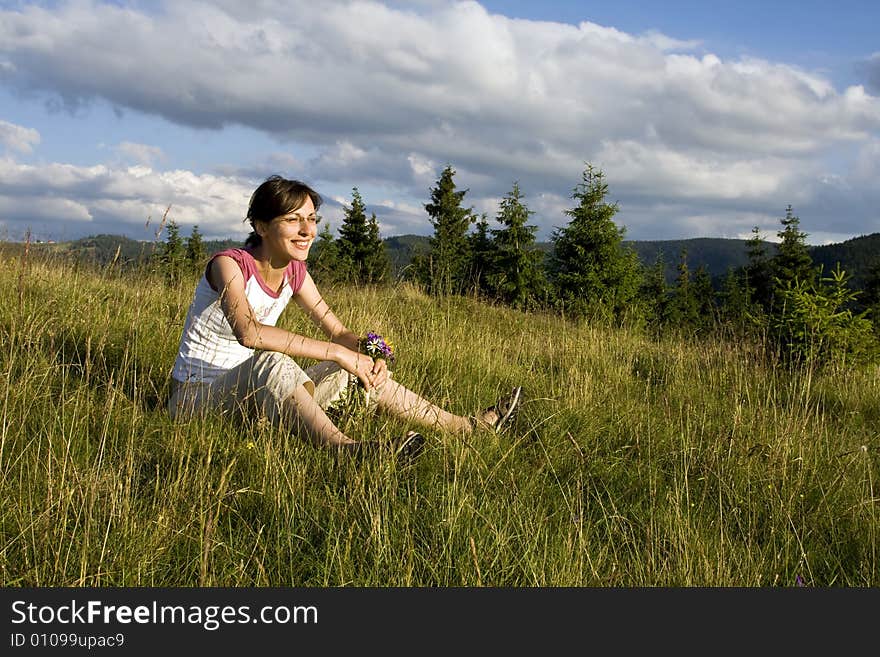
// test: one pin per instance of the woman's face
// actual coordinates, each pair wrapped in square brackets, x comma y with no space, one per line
[290,236]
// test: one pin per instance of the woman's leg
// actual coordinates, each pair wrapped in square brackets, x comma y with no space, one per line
[305,416]
[404,403]
[272,384]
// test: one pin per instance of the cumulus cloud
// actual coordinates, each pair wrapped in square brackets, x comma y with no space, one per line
[388,93]
[62,198]
[17,138]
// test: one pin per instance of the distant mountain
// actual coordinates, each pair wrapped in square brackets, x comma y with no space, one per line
[102,249]
[717,254]
[401,250]
[855,256]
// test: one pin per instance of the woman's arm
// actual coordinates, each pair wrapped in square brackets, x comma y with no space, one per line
[312,302]
[225,276]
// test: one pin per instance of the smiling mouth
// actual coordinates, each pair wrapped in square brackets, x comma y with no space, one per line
[304,244]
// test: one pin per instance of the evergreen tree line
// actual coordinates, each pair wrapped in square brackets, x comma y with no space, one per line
[178,257]
[358,255]
[804,313]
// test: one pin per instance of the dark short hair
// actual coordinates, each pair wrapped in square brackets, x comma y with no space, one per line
[277,196]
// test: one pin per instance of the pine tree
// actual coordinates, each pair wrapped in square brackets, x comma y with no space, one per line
[323,258]
[377,264]
[685,310]
[445,268]
[590,269]
[195,250]
[518,274]
[792,261]
[758,286]
[173,253]
[481,248]
[704,294]
[654,294]
[354,243]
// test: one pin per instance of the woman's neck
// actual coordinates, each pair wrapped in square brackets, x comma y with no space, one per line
[266,262]
[271,271]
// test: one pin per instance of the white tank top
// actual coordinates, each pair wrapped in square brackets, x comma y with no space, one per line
[208,347]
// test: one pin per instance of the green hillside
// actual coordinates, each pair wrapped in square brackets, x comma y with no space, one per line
[856,257]
[636,461]
[717,254]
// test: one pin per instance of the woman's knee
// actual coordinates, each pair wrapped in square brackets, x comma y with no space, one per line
[276,377]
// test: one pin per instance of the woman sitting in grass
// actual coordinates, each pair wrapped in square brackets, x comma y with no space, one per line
[233,358]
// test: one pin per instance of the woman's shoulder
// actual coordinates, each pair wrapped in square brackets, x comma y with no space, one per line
[242,257]
[296,274]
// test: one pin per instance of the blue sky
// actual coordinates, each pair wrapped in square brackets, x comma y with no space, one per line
[706,119]
[808,33]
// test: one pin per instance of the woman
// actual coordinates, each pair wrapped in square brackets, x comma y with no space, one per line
[233,358]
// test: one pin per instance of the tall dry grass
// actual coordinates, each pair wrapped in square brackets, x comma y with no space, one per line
[635,462]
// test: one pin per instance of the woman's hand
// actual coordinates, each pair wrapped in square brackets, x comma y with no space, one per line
[360,365]
[380,372]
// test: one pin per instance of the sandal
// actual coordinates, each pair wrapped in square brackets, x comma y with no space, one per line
[505,410]
[410,447]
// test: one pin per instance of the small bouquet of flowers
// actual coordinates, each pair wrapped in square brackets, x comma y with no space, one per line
[375,346]
[355,399]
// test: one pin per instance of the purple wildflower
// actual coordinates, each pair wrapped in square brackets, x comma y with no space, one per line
[375,346]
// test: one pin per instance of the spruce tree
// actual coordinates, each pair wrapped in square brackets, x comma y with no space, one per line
[758,272]
[377,265]
[173,253]
[481,248]
[871,293]
[685,310]
[792,261]
[590,269]
[323,258]
[195,249]
[518,275]
[354,243]
[445,268]
[654,294]
[870,298]
[704,294]
[735,304]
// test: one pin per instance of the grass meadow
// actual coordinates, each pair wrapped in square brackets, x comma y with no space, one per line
[636,461]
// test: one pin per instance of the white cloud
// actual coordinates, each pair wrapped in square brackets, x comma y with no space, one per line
[387,94]
[58,195]
[18,138]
